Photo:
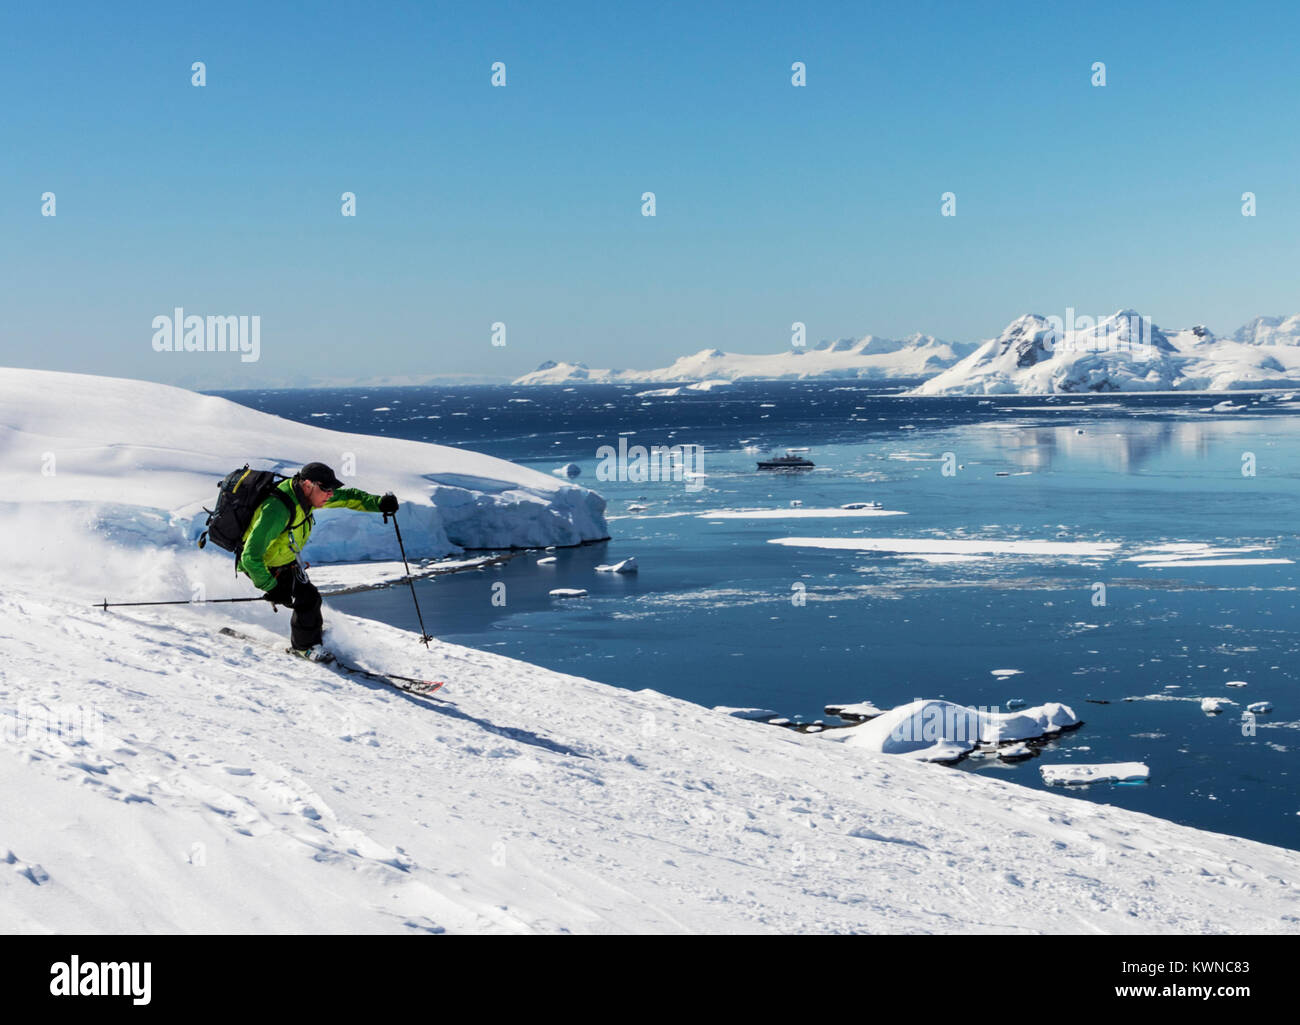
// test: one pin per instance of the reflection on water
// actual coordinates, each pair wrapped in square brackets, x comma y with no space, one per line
[1120,445]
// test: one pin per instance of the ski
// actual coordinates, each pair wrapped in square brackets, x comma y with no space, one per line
[406,684]
[403,683]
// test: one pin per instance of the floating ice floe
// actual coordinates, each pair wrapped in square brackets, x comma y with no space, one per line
[568,592]
[950,546]
[1015,752]
[1259,706]
[857,509]
[1186,555]
[1006,672]
[757,714]
[1113,772]
[708,385]
[628,565]
[347,577]
[1235,683]
[941,731]
[549,560]
[1215,705]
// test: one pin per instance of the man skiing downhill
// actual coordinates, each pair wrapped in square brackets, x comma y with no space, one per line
[274,540]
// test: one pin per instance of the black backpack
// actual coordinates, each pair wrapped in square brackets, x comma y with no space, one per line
[242,492]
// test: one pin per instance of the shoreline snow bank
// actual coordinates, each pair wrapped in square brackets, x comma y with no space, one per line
[141,460]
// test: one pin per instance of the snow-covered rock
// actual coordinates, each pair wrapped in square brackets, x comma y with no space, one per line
[854,710]
[553,372]
[935,730]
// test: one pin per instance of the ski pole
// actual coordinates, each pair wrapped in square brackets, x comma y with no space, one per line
[424,634]
[106,604]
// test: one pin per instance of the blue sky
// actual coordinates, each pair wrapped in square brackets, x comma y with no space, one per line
[522,204]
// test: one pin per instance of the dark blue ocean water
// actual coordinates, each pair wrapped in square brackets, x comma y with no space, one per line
[712,615]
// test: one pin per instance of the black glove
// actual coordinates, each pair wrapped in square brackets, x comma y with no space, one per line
[282,592]
[388,504]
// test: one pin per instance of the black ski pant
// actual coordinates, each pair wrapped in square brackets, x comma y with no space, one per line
[294,590]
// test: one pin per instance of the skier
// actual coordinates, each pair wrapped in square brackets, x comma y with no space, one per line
[273,544]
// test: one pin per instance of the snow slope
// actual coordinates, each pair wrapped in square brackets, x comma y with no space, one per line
[141,460]
[234,789]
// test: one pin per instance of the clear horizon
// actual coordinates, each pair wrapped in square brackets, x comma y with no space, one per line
[480,204]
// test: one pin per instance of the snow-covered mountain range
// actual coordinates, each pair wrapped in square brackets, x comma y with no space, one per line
[1032,355]
[1124,352]
[868,358]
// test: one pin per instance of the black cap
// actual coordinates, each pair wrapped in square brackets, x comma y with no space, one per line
[319,473]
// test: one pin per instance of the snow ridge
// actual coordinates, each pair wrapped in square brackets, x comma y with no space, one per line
[135,482]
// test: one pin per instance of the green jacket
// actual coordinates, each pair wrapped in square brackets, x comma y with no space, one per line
[267,539]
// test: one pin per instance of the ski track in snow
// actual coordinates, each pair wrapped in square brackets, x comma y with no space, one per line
[231,790]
